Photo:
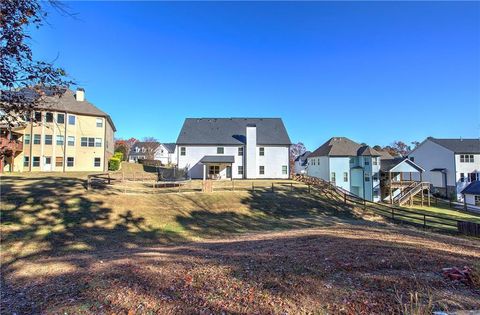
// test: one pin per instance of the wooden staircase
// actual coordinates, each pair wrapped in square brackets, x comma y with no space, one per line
[410,192]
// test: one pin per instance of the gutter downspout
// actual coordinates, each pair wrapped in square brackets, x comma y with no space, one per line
[105,147]
[30,159]
[65,139]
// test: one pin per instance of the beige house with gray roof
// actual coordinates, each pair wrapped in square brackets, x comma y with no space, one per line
[69,134]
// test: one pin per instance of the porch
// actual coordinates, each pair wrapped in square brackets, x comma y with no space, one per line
[401,180]
[11,147]
[218,167]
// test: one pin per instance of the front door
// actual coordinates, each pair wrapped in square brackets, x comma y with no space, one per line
[48,163]
[229,172]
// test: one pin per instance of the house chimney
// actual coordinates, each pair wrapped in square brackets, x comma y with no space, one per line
[80,95]
[251,151]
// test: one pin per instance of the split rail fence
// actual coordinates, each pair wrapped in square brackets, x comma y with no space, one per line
[395,213]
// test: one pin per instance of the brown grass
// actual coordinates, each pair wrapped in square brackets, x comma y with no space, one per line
[65,250]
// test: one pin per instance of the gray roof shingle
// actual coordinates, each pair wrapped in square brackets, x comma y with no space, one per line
[472,189]
[218,159]
[341,146]
[170,147]
[459,145]
[231,131]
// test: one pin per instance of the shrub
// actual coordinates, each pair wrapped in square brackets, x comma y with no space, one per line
[118,155]
[114,164]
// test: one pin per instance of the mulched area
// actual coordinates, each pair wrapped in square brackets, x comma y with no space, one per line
[341,269]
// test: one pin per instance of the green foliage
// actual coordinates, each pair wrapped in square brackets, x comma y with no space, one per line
[118,155]
[114,163]
[122,150]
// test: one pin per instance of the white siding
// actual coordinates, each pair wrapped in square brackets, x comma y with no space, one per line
[251,152]
[321,169]
[430,155]
[465,168]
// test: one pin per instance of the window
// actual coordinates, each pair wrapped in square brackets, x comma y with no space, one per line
[48,139]
[100,122]
[374,161]
[367,177]
[70,161]
[71,141]
[240,151]
[36,161]
[59,161]
[60,118]
[366,161]
[261,151]
[71,120]
[26,161]
[352,160]
[262,170]
[48,160]
[284,170]
[462,177]
[96,162]
[84,141]
[345,176]
[37,139]
[220,150]
[333,178]
[376,193]
[183,151]
[213,169]
[60,139]
[48,117]
[375,177]
[91,142]
[38,116]
[477,200]
[240,170]
[26,139]
[466,158]
[472,177]
[98,142]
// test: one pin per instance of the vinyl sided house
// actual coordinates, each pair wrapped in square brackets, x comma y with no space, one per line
[69,134]
[300,164]
[450,164]
[163,152]
[349,165]
[234,148]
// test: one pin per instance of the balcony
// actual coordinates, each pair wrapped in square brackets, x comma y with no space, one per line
[14,145]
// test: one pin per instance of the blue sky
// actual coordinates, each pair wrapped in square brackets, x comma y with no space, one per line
[372,71]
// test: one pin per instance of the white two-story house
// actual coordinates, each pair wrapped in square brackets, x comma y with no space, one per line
[348,165]
[234,148]
[450,164]
[152,150]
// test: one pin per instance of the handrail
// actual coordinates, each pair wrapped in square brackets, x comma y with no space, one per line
[393,212]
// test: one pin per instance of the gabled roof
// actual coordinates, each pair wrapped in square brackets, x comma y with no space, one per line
[341,146]
[303,156]
[367,151]
[384,155]
[232,131]
[458,145]
[170,147]
[146,144]
[391,164]
[67,102]
[472,189]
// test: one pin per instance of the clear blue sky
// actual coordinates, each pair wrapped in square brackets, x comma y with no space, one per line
[372,71]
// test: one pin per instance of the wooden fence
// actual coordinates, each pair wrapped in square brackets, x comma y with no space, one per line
[395,213]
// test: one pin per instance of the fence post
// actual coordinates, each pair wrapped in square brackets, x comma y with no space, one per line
[88,182]
[233,185]
[253,187]
[424,221]
[308,188]
[450,203]
[345,198]
[291,187]
[393,214]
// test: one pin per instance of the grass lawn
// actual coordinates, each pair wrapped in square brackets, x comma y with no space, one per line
[68,250]
[448,212]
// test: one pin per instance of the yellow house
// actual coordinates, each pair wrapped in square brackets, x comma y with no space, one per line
[68,134]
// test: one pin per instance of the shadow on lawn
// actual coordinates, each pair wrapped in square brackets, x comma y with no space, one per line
[114,271]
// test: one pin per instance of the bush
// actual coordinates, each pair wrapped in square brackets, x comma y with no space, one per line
[118,155]
[114,164]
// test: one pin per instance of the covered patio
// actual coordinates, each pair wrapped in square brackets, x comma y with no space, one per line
[217,166]
[401,180]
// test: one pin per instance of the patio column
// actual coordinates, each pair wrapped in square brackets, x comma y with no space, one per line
[204,171]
